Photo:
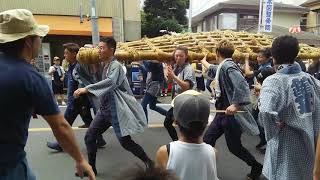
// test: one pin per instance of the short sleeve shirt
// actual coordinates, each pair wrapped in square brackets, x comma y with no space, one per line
[263,73]
[186,74]
[22,91]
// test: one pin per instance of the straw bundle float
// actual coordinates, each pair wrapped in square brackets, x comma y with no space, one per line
[199,45]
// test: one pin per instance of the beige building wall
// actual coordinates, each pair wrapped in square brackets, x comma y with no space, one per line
[286,19]
[312,19]
[132,15]
[105,8]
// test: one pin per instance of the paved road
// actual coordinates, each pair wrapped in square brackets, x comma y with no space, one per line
[111,160]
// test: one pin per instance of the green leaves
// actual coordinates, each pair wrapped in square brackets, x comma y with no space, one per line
[167,15]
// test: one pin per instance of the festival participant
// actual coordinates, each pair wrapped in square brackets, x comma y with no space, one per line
[183,78]
[233,94]
[118,107]
[80,106]
[265,69]
[155,77]
[289,111]
[22,91]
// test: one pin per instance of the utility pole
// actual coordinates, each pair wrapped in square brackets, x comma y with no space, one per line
[190,16]
[94,23]
[122,32]
[260,15]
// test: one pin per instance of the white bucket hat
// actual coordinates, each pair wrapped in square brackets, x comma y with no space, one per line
[19,23]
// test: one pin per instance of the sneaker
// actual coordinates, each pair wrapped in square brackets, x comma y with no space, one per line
[255,172]
[165,94]
[54,146]
[63,103]
[161,95]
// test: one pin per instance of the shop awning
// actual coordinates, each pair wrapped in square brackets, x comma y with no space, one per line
[70,25]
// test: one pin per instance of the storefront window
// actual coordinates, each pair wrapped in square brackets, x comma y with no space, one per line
[227,21]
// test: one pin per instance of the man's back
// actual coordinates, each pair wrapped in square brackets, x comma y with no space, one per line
[22,90]
[192,161]
[289,111]
[298,93]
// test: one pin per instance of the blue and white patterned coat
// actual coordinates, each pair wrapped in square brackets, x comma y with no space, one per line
[292,98]
[237,91]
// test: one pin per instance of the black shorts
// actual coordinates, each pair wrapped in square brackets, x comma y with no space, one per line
[200,83]
[57,87]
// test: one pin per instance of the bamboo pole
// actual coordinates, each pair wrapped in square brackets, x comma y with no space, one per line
[224,111]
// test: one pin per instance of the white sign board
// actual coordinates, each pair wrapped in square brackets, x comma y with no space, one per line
[43,60]
[266,15]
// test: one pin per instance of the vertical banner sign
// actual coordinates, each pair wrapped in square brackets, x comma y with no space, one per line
[267,15]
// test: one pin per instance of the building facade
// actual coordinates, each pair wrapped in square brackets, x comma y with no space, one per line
[120,18]
[312,18]
[243,14]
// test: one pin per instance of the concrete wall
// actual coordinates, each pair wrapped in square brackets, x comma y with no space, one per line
[199,27]
[312,22]
[312,19]
[286,19]
[132,30]
[105,8]
[132,23]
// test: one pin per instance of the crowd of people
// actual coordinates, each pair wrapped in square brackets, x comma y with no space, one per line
[286,114]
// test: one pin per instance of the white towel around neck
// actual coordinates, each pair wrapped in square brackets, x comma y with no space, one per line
[217,89]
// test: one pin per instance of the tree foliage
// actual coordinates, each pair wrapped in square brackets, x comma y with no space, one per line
[167,15]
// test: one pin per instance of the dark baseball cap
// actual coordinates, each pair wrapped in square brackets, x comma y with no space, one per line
[191,106]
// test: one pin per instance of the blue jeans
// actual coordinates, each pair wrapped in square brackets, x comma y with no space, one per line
[21,171]
[152,101]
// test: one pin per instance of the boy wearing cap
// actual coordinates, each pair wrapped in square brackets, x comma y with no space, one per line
[23,90]
[189,157]
[233,94]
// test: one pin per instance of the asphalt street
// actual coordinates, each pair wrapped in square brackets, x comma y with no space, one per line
[113,159]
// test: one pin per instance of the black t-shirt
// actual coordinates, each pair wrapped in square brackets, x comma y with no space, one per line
[263,73]
[156,70]
[302,65]
[22,90]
